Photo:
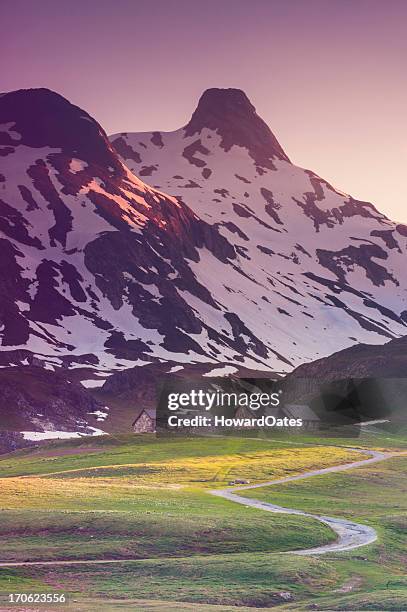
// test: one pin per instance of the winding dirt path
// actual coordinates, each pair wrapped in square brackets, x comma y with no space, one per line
[350,535]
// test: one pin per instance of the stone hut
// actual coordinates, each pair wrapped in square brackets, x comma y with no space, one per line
[145,422]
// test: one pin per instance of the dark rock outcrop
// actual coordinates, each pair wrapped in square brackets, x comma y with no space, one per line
[230,113]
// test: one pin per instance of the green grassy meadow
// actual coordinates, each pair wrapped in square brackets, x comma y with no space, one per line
[144,501]
[376,495]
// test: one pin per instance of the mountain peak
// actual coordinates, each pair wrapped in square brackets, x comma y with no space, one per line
[44,118]
[230,113]
[219,102]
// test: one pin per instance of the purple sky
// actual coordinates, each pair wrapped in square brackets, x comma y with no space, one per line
[328,76]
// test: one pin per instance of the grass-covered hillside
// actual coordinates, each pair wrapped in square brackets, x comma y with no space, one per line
[144,502]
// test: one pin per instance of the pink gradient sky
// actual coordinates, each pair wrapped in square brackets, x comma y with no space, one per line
[328,76]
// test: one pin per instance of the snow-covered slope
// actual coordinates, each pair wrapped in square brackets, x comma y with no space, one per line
[97,268]
[316,270]
[250,263]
